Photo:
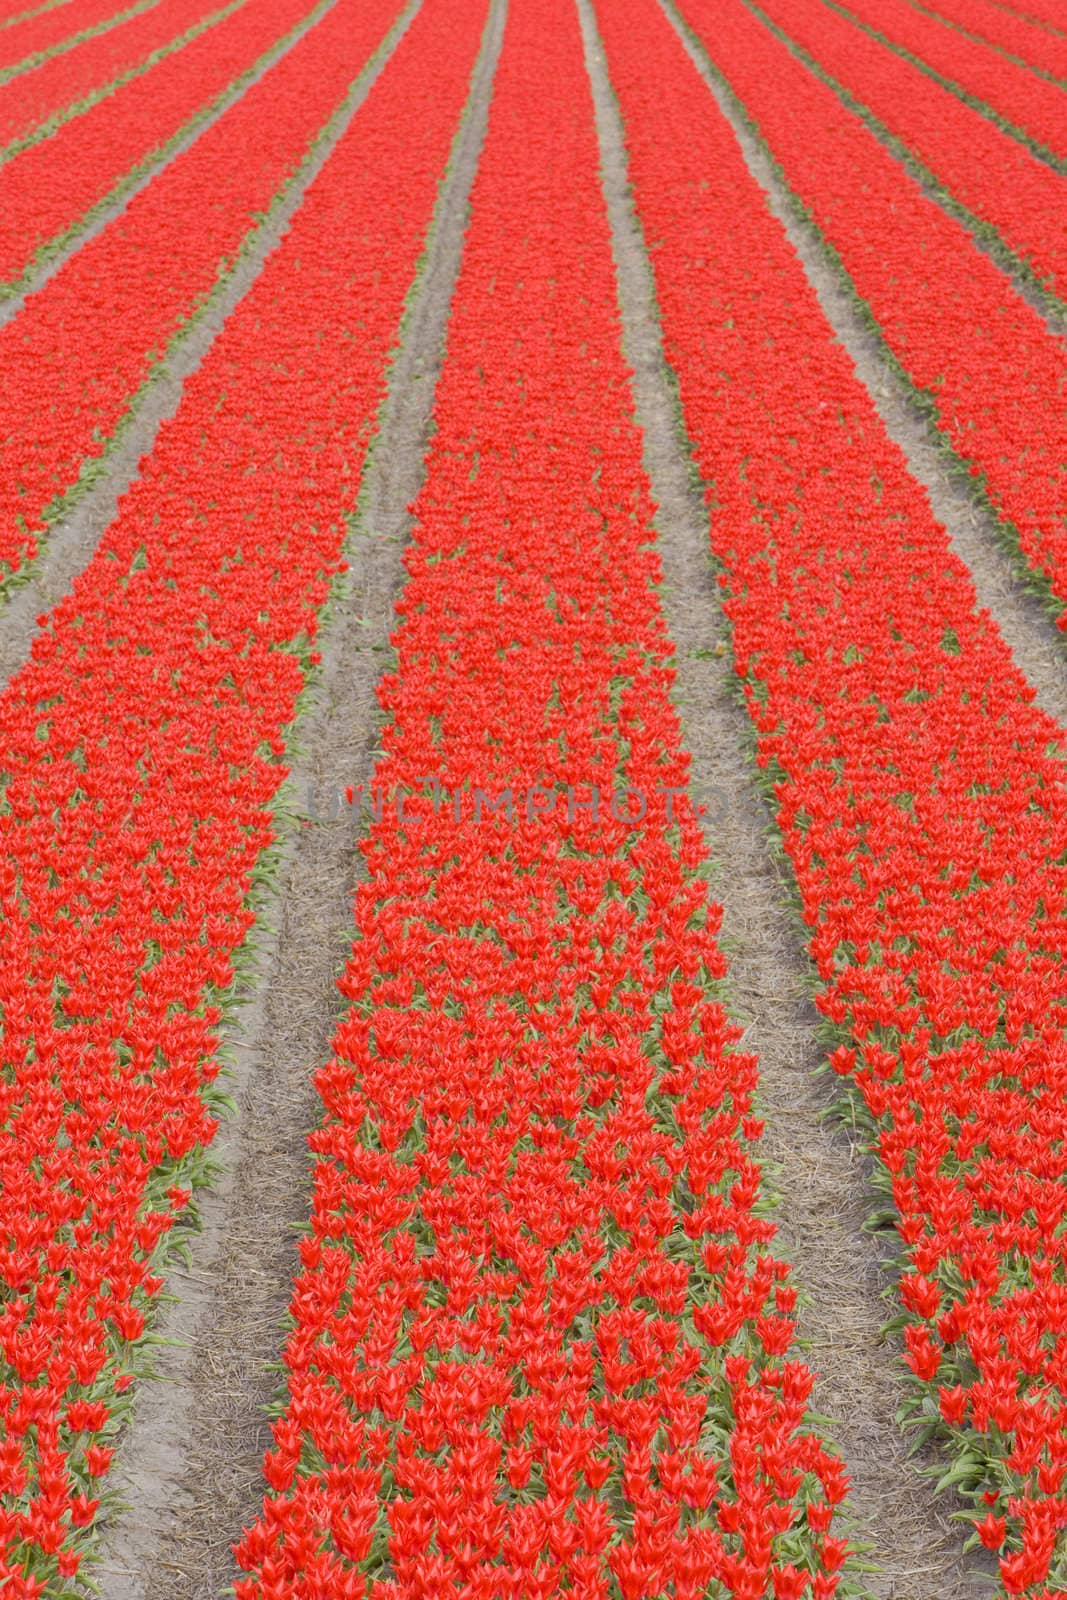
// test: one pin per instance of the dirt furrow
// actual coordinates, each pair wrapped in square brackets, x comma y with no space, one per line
[190,1465]
[72,540]
[820,1172]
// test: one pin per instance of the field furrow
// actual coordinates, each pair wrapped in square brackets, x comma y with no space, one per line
[1018,603]
[145,734]
[1028,105]
[538,1344]
[52,187]
[73,360]
[1026,41]
[999,181]
[919,793]
[14,12]
[91,502]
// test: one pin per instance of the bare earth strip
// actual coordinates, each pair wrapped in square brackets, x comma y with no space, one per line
[72,540]
[822,1174]
[1004,585]
[189,1468]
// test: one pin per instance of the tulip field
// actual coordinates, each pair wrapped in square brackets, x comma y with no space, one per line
[533,796]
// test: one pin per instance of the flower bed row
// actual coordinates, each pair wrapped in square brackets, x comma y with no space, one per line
[997,178]
[31,105]
[50,188]
[1048,12]
[24,45]
[1026,40]
[15,12]
[72,361]
[39,36]
[919,792]
[1031,104]
[993,374]
[142,750]
[538,1346]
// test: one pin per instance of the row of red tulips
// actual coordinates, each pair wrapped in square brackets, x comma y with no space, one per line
[1017,36]
[25,44]
[919,792]
[1030,103]
[13,13]
[30,104]
[991,370]
[539,1347]
[998,179]
[1049,13]
[142,746]
[49,189]
[73,360]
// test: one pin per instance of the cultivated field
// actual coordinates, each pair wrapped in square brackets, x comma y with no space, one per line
[533,889]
